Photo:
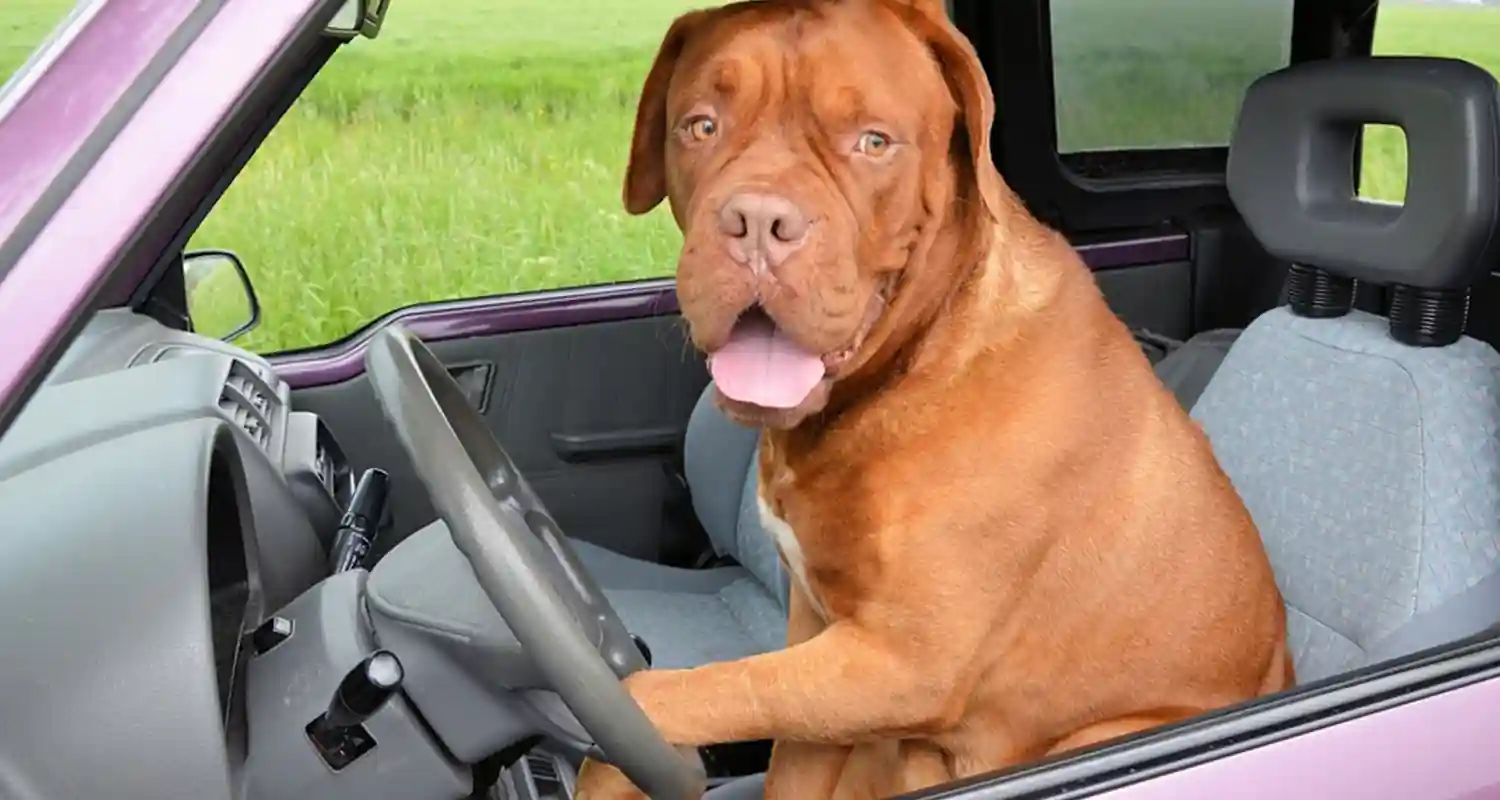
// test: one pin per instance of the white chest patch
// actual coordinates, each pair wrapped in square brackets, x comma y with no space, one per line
[791,552]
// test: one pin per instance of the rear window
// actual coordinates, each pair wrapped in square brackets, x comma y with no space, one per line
[1160,74]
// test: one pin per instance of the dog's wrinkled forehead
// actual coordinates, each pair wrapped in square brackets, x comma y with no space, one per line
[832,64]
[806,76]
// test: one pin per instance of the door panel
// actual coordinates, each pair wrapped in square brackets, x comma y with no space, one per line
[1157,297]
[593,412]
[558,399]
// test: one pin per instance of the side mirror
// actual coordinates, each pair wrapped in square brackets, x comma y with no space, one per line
[358,18]
[221,301]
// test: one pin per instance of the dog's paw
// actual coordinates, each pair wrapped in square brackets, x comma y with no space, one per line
[598,781]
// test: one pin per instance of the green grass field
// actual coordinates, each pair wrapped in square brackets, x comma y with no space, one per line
[477,146]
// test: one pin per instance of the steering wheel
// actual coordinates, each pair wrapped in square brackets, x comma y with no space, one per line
[524,564]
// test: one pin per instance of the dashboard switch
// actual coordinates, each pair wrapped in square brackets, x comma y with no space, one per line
[339,734]
[365,689]
[356,534]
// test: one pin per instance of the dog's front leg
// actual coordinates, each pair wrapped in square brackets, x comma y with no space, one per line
[803,769]
[842,687]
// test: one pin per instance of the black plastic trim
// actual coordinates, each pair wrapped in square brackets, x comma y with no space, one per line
[1167,168]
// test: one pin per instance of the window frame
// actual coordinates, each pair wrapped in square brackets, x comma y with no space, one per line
[1083,194]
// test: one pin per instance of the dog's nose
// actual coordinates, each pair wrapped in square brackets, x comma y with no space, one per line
[762,229]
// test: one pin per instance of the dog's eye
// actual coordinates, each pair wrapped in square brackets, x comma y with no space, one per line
[873,143]
[702,128]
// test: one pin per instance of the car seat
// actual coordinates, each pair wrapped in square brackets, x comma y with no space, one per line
[689,617]
[1364,447]
[1367,449]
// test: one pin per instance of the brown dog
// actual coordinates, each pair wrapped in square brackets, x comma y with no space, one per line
[1006,537]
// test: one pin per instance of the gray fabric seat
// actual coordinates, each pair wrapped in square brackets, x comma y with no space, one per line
[1188,369]
[1370,467]
[692,617]
[689,617]
[1373,472]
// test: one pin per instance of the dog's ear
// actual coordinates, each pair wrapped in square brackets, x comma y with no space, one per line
[646,174]
[976,102]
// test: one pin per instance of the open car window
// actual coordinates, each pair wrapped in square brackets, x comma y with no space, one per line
[502,145]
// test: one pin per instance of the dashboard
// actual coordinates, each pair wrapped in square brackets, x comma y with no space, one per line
[170,624]
[159,499]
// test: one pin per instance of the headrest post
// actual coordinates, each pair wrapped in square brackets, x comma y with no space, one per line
[1428,317]
[1312,292]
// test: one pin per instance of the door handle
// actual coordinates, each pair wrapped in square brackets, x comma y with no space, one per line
[575,448]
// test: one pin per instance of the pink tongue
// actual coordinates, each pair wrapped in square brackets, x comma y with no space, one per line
[762,367]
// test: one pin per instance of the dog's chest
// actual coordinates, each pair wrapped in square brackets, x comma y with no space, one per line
[791,553]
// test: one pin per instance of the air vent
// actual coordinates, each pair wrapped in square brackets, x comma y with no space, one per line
[544,775]
[252,391]
[247,402]
[249,421]
[263,372]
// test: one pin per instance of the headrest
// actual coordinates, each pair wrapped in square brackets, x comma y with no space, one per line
[1291,169]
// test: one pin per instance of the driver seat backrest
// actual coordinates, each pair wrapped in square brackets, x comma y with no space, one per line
[1366,448]
[720,460]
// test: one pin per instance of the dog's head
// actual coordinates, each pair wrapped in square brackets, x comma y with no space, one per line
[828,164]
